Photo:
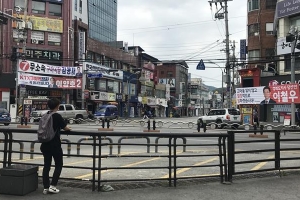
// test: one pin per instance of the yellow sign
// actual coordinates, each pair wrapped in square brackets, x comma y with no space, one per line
[111,97]
[144,100]
[247,110]
[43,24]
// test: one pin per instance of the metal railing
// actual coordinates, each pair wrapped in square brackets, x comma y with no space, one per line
[172,158]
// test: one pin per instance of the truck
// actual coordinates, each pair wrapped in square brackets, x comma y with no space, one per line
[67,111]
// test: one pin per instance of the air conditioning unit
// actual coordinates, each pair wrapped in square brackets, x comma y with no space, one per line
[34,41]
[29,25]
[21,25]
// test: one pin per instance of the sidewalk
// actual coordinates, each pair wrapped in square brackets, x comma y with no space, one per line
[273,188]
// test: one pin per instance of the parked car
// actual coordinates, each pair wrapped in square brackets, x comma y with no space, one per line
[107,112]
[222,116]
[67,111]
[4,117]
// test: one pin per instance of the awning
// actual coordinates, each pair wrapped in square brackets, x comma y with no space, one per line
[113,103]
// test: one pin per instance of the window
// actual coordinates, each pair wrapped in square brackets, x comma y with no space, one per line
[271,4]
[20,3]
[253,5]
[69,107]
[270,53]
[170,74]
[253,30]
[75,1]
[54,39]
[295,22]
[38,7]
[80,6]
[54,9]
[269,28]
[253,55]
[287,62]
[61,108]
[37,37]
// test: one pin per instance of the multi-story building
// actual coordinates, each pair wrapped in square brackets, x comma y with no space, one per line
[261,42]
[45,39]
[199,97]
[175,75]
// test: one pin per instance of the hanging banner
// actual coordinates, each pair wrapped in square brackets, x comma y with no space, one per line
[49,81]
[279,94]
[41,68]
[93,67]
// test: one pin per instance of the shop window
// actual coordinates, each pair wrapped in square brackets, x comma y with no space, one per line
[54,39]
[37,37]
[269,28]
[253,5]
[54,9]
[295,21]
[38,7]
[253,30]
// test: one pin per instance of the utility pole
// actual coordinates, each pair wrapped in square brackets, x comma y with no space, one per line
[220,15]
[233,68]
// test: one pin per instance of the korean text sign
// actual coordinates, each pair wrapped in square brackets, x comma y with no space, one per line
[41,68]
[49,81]
[279,94]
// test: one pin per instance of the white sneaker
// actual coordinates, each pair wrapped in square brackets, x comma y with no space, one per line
[53,189]
[45,191]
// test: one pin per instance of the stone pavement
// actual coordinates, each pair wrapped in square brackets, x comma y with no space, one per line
[274,188]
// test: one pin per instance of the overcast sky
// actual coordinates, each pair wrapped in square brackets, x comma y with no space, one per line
[182,29]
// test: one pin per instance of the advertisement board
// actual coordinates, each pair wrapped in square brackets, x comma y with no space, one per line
[277,94]
[48,81]
[92,67]
[170,81]
[41,68]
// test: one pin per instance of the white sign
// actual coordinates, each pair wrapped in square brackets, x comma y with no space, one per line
[93,67]
[54,37]
[37,35]
[37,97]
[167,91]
[249,95]
[41,68]
[27,101]
[17,34]
[81,45]
[103,96]
[151,101]
[284,47]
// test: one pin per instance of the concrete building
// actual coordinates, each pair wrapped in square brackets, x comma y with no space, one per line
[48,36]
[199,97]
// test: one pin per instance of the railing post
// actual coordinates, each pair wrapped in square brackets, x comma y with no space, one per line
[277,150]
[220,159]
[230,155]
[175,161]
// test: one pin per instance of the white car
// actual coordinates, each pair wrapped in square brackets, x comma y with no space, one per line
[222,117]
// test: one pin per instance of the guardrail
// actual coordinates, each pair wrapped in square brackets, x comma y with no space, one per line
[172,158]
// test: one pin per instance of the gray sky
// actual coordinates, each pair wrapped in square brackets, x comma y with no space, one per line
[182,29]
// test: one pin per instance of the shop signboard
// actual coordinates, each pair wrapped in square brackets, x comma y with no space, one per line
[105,71]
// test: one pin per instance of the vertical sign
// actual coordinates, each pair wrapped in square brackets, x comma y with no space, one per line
[243,49]
[81,45]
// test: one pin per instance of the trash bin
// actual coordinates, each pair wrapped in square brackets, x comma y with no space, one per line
[18,179]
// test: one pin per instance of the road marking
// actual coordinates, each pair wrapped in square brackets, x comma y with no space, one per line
[186,169]
[129,165]
[260,165]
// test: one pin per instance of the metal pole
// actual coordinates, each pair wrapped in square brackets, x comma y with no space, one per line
[83,84]
[293,107]
[222,98]
[227,55]
[128,90]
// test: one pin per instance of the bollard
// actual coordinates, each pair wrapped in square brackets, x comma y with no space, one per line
[204,126]
[22,121]
[154,124]
[261,129]
[103,123]
[107,123]
[148,124]
[25,120]
[198,125]
[255,128]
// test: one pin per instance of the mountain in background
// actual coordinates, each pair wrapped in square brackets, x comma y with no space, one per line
[210,88]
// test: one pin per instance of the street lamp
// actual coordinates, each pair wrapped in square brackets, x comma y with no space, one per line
[222,80]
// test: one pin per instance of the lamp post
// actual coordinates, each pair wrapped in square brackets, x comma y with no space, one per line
[222,81]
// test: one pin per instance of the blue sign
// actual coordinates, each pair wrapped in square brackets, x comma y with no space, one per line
[243,49]
[201,65]
[94,75]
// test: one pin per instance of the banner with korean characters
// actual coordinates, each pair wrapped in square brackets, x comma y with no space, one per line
[49,81]
[278,94]
[41,68]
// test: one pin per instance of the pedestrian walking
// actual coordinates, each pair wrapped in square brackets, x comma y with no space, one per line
[145,115]
[52,149]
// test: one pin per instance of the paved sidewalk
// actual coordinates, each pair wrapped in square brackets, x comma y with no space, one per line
[274,188]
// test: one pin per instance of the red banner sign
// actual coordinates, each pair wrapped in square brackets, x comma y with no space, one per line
[285,94]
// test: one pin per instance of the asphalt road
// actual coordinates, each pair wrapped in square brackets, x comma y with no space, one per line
[141,158]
